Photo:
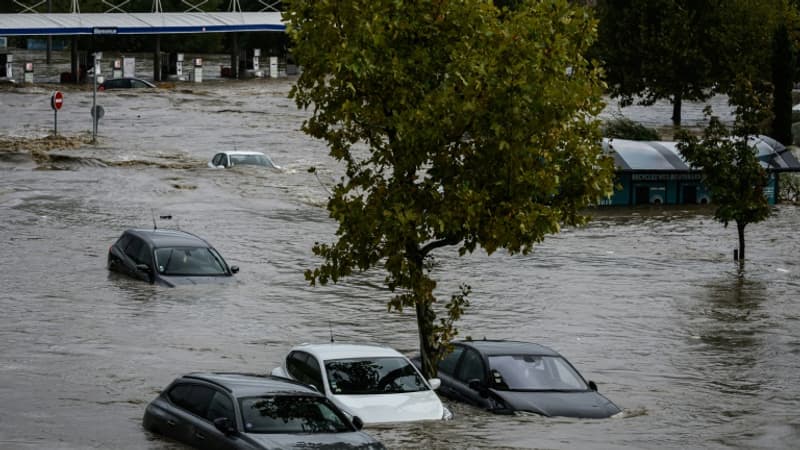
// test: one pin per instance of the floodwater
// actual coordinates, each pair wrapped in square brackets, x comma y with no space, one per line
[646,302]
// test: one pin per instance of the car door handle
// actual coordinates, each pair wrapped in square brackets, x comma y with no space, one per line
[199,435]
[171,423]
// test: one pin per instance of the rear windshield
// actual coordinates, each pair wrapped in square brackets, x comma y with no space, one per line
[189,261]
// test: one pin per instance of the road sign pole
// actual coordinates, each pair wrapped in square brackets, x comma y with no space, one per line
[94,103]
[56,101]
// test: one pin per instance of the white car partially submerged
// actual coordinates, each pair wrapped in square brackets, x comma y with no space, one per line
[224,160]
[372,382]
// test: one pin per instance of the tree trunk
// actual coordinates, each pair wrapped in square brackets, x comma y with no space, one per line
[425,318]
[676,109]
[740,228]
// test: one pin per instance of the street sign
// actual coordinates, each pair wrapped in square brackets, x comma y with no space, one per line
[100,111]
[56,100]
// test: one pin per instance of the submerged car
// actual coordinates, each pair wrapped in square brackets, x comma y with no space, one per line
[224,160]
[125,83]
[241,411]
[374,382]
[168,257]
[510,376]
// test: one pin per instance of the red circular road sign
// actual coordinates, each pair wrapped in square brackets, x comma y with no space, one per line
[56,100]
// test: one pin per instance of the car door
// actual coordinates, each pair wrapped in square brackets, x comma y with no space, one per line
[447,373]
[206,435]
[178,422]
[138,252]
[471,367]
[305,368]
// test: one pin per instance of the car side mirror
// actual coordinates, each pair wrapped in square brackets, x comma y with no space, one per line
[224,425]
[234,269]
[357,422]
[592,385]
[476,385]
[435,383]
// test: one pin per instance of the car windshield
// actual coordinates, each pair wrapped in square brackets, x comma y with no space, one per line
[373,376]
[291,414]
[253,160]
[534,373]
[189,261]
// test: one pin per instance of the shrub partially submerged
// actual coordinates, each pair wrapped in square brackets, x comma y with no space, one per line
[624,128]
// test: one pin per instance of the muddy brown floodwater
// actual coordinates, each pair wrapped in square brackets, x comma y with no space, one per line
[646,302]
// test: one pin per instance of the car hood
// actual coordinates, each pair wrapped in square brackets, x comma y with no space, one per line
[172,281]
[584,404]
[395,407]
[345,441]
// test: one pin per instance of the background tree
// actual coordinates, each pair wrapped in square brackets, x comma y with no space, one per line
[684,49]
[458,123]
[729,161]
[658,49]
[783,62]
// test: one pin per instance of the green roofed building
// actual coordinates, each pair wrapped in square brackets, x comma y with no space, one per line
[655,173]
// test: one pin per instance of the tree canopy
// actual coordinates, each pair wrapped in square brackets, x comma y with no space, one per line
[685,49]
[729,162]
[458,123]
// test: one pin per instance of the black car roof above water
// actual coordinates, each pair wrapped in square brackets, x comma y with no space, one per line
[492,348]
[246,385]
[169,238]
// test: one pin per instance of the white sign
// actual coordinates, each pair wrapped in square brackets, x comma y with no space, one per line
[128,67]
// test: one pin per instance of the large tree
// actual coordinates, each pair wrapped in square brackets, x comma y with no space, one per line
[658,49]
[683,50]
[729,161]
[458,123]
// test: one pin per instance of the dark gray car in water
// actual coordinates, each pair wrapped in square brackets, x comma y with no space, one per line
[168,257]
[509,376]
[226,411]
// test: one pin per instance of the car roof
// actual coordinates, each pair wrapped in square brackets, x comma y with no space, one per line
[503,347]
[244,152]
[246,385]
[168,238]
[336,350]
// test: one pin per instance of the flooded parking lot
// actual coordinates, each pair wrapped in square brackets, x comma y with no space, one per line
[645,302]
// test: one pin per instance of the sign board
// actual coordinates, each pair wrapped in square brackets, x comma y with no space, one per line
[56,100]
[129,67]
[104,30]
[97,111]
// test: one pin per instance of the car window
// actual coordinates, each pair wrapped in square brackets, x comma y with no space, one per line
[305,368]
[471,367]
[221,406]
[139,84]
[189,261]
[448,364]
[192,397]
[291,414]
[137,250]
[369,376]
[114,84]
[123,241]
[217,161]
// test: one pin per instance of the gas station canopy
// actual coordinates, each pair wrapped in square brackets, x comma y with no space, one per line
[69,24]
